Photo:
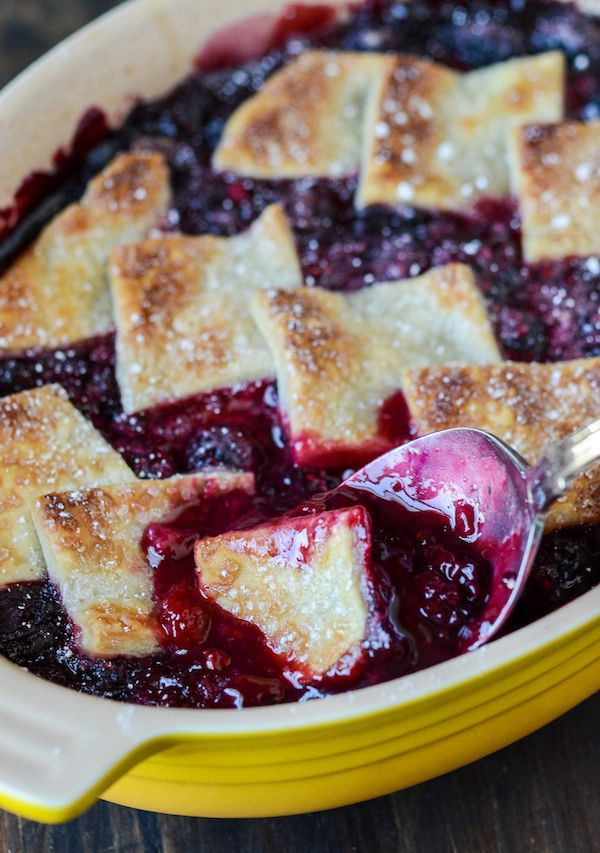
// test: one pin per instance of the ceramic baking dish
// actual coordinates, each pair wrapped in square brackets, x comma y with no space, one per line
[59,750]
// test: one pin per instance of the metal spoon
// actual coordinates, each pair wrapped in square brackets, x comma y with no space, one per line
[486,494]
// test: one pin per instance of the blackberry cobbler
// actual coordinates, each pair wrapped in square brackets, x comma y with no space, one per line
[386,225]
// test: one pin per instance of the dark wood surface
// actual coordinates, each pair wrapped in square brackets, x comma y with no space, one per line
[541,794]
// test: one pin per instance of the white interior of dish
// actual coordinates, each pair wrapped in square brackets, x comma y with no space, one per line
[141,50]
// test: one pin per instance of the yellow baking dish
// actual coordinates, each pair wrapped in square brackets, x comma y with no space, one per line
[59,750]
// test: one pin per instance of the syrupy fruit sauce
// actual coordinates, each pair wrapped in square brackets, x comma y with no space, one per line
[426,584]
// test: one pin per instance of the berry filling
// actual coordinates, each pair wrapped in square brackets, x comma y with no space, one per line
[426,582]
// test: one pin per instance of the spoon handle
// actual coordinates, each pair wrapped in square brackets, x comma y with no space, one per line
[561,463]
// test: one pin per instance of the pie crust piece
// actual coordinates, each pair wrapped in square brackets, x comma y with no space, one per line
[527,405]
[181,306]
[307,119]
[301,580]
[556,174]
[92,544]
[340,356]
[436,138]
[46,444]
[57,291]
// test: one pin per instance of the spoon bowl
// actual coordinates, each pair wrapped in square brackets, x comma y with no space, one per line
[476,488]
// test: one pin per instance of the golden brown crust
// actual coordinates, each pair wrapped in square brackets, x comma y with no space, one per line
[132,186]
[155,279]
[301,580]
[92,544]
[46,444]
[57,292]
[181,305]
[435,138]
[405,129]
[340,356]
[307,119]
[556,174]
[527,405]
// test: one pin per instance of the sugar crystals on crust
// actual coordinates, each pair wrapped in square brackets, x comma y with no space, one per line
[181,305]
[92,544]
[436,138]
[302,581]
[527,405]
[556,175]
[340,356]
[46,445]
[57,291]
[306,120]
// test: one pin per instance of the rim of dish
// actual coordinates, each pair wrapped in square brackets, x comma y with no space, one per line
[537,640]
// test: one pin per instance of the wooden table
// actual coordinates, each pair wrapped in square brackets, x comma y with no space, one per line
[542,794]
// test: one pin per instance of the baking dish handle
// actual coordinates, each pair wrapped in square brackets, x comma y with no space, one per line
[53,767]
